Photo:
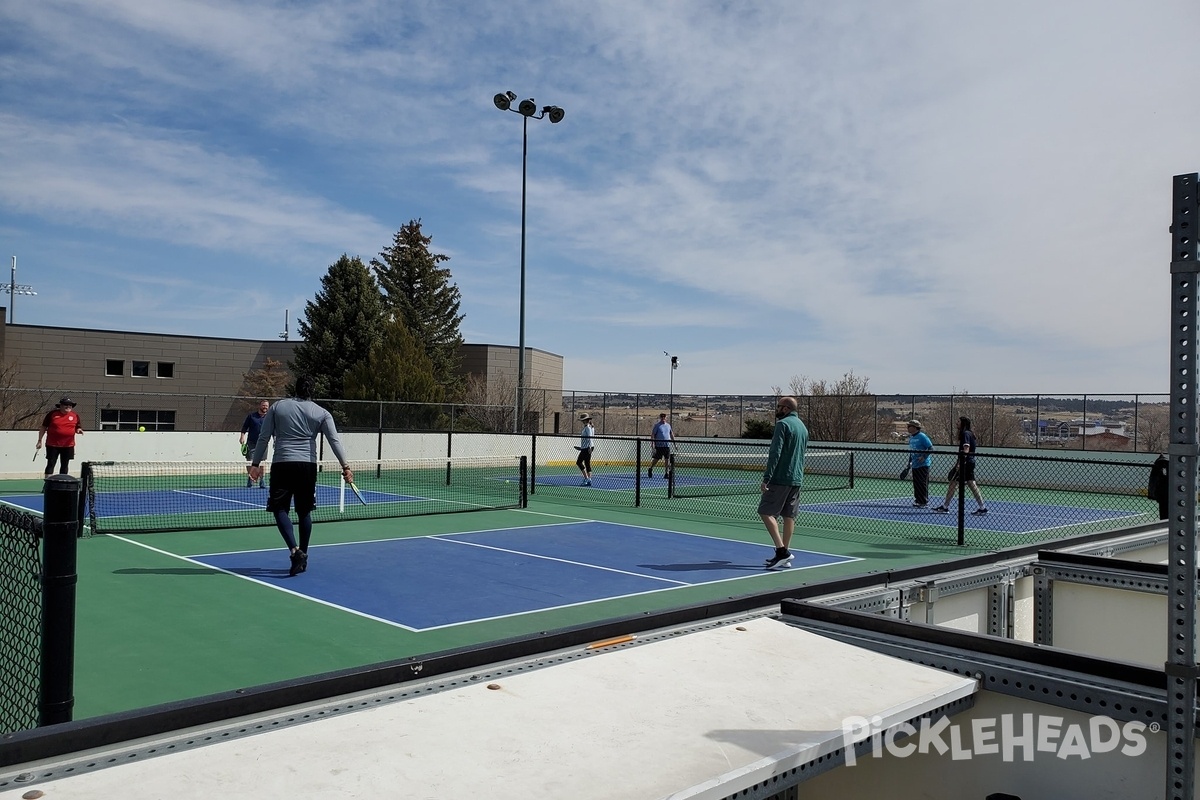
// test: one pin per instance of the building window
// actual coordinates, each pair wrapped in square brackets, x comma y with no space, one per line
[141,369]
[114,419]
[166,369]
[114,367]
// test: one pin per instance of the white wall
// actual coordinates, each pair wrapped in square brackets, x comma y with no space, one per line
[17,448]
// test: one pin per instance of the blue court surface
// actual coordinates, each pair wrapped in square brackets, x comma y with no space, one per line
[1002,517]
[449,579]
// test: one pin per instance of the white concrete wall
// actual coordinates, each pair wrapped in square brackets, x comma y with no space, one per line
[17,448]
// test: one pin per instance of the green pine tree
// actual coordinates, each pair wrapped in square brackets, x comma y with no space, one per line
[397,369]
[339,327]
[418,292]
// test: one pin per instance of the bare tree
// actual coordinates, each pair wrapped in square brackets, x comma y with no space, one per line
[20,408]
[1153,427]
[842,411]
[265,383]
[488,404]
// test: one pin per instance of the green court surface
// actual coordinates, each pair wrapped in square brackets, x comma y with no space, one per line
[155,625]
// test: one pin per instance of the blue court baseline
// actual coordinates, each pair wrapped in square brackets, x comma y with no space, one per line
[451,579]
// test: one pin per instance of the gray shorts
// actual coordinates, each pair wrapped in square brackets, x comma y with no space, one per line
[779,501]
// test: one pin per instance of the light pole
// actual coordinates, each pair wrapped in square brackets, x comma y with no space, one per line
[527,109]
[671,397]
[13,288]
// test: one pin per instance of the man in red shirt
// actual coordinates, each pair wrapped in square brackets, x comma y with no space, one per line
[59,429]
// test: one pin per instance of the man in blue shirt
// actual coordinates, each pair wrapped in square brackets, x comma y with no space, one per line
[662,436]
[920,447]
[251,427]
[782,479]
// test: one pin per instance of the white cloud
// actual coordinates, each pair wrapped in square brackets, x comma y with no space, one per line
[931,195]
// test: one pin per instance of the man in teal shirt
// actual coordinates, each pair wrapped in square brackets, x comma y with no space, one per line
[782,479]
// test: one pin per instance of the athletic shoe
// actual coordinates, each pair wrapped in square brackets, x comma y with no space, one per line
[919,505]
[979,512]
[299,563]
[249,483]
[649,473]
[587,483]
[942,510]
[781,560]
[262,485]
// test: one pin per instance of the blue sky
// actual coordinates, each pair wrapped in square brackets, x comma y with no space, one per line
[937,196]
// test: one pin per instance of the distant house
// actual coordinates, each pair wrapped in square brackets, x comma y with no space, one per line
[1107,440]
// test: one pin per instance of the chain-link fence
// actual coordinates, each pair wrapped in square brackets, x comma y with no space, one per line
[21,622]
[1102,423]
[857,489]
[1096,422]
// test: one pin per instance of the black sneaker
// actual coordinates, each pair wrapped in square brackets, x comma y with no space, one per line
[649,473]
[919,505]
[299,563]
[942,510]
[781,560]
[979,512]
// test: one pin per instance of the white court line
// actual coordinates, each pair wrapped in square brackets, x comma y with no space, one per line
[445,538]
[269,585]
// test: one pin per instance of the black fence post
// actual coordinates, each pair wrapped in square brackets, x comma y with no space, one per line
[60,528]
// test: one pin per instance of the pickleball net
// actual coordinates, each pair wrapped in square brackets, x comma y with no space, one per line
[156,496]
[727,470]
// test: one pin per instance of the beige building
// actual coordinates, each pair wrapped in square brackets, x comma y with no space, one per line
[124,380]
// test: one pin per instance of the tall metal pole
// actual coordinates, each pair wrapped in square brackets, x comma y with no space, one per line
[521,338]
[13,288]
[1183,450]
[671,397]
[526,108]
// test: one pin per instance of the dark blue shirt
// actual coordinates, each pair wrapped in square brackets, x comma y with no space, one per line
[252,426]
[968,439]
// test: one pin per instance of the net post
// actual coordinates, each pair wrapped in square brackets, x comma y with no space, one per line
[86,513]
[524,474]
[60,529]
[637,474]
[959,466]
[533,440]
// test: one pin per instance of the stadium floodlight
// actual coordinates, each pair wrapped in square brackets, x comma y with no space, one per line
[13,288]
[671,396]
[528,110]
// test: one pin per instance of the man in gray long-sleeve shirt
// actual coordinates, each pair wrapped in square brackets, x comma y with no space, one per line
[294,424]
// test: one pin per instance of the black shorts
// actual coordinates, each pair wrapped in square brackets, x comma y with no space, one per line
[54,453]
[293,481]
[662,452]
[968,473]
